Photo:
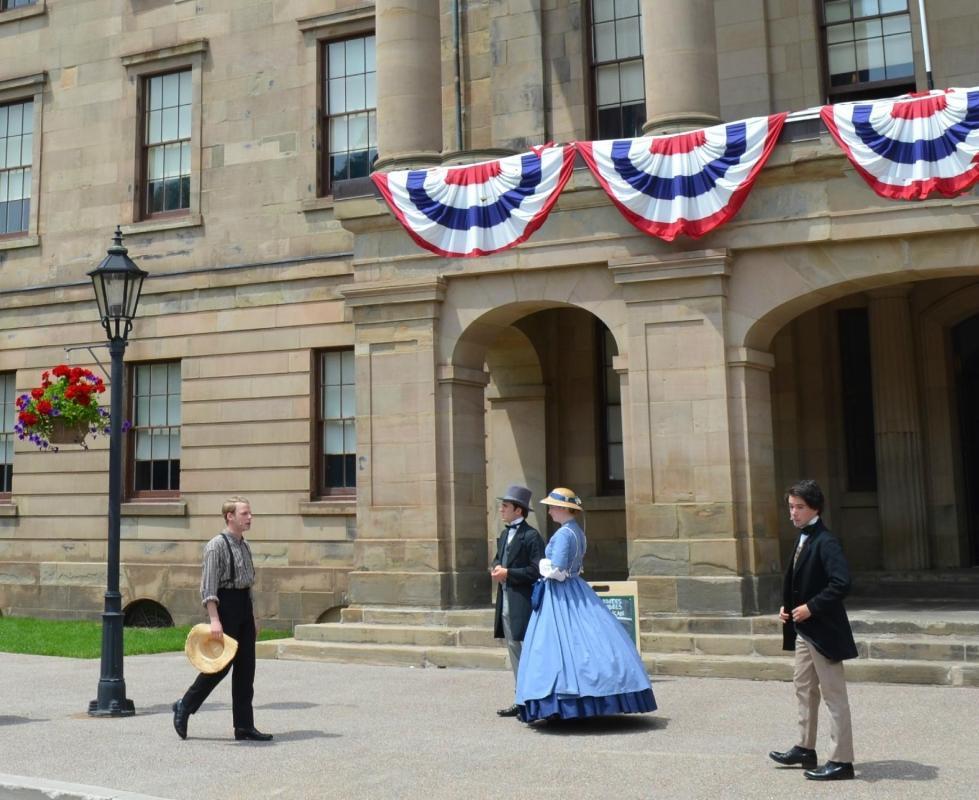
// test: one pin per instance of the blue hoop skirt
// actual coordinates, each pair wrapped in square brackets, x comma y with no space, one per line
[578,661]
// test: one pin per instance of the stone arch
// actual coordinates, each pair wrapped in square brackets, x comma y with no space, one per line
[146,613]
[475,339]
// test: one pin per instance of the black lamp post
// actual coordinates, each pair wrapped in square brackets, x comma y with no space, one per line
[117,282]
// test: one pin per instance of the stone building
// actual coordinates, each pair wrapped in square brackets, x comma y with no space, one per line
[293,344]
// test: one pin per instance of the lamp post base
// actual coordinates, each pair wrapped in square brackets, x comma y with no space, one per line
[115,708]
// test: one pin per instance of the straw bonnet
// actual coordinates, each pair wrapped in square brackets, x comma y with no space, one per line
[207,654]
[564,498]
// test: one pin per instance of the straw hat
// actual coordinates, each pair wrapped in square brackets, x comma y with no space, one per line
[564,498]
[207,654]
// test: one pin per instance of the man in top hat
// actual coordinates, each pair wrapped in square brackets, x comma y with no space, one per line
[227,577]
[518,552]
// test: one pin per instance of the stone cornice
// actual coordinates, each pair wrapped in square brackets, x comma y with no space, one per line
[34,83]
[193,47]
[374,294]
[679,266]
[334,19]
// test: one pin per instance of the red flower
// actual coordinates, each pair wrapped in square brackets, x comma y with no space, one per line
[43,407]
[36,393]
[75,373]
[61,371]
[28,418]
[83,399]
[44,375]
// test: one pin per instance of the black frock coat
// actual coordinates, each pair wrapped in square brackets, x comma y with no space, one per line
[521,560]
[820,580]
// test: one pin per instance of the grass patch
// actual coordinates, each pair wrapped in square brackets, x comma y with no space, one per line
[83,639]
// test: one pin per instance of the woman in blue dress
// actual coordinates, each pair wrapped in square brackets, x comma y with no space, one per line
[578,660]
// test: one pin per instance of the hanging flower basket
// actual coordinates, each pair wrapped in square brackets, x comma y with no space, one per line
[64,432]
[64,409]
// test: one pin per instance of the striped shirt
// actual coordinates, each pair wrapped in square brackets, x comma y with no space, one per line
[216,573]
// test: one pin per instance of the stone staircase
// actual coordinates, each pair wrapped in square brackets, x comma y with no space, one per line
[925,642]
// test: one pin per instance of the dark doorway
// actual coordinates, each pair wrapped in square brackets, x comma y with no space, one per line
[965,336]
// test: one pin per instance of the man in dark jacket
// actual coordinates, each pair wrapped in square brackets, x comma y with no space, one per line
[518,552]
[815,625]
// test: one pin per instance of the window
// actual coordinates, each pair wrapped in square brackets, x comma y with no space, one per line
[155,435]
[168,103]
[349,110]
[336,433]
[868,48]
[616,58]
[8,4]
[613,459]
[8,393]
[858,400]
[16,154]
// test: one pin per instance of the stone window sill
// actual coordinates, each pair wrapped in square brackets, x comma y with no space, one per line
[318,204]
[17,242]
[8,508]
[153,225]
[328,508]
[167,508]
[23,12]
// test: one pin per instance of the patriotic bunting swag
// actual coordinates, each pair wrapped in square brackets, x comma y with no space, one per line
[909,147]
[687,183]
[479,209]
[906,148]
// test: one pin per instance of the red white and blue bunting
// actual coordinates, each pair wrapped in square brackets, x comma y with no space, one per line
[909,147]
[687,183]
[478,209]
[906,148]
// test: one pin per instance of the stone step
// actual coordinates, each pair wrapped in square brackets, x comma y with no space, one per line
[388,615]
[422,636]
[890,647]
[754,667]
[862,622]
[780,668]
[385,654]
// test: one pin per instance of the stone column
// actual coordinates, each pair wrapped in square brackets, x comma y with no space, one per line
[680,65]
[409,83]
[400,557]
[900,474]
[753,464]
[680,501]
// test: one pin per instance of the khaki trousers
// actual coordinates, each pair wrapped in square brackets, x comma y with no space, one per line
[815,672]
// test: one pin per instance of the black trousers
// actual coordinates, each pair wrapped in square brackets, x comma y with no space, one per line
[238,620]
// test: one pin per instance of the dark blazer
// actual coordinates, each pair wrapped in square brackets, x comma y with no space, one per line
[525,553]
[820,580]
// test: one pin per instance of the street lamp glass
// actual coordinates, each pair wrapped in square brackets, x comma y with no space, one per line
[117,282]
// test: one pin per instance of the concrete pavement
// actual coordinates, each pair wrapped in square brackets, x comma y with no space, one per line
[344,731]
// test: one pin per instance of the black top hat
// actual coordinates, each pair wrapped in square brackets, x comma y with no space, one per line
[518,495]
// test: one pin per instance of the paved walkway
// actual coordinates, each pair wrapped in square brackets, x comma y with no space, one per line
[346,731]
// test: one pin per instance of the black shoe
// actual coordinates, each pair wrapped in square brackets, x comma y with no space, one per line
[831,771]
[180,719]
[512,711]
[252,735]
[802,756]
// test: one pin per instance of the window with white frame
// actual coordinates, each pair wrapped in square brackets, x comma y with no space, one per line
[617,69]
[16,155]
[336,428]
[8,394]
[155,434]
[168,107]
[869,52]
[349,124]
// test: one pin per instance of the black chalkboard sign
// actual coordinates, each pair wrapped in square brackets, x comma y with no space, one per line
[622,599]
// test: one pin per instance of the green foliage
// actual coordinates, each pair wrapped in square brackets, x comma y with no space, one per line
[83,639]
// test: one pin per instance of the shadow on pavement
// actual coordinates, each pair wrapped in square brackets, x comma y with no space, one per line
[293,706]
[18,720]
[895,770]
[599,726]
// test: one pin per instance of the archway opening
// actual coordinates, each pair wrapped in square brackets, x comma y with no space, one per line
[146,614]
[965,337]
